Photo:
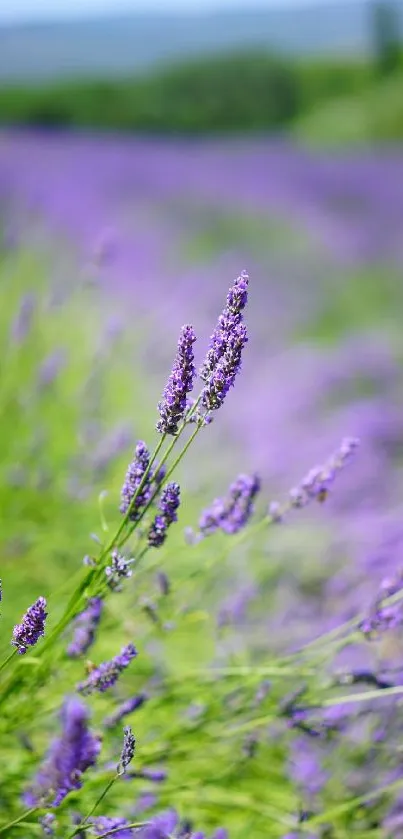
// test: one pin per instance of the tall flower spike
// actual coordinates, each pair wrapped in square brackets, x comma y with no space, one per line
[168,505]
[231,513]
[68,757]
[129,746]
[31,628]
[230,317]
[134,477]
[104,676]
[86,625]
[172,407]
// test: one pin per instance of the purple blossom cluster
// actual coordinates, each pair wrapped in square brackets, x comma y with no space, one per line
[133,500]
[223,360]
[86,624]
[118,570]
[173,405]
[69,756]
[383,617]
[316,484]
[32,627]
[168,505]
[106,674]
[231,513]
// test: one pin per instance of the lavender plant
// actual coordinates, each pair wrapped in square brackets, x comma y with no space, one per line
[228,738]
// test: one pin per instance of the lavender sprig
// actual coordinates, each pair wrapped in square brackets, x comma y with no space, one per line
[231,513]
[104,676]
[134,477]
[168,505]
[229,319]
[119,569]
[32,627]
[104,823]
[86,625]
[173,405]
[69,756]
[128,749]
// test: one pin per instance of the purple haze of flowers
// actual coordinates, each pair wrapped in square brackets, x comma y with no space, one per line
[68,757]
[172,407]
[125,708]
[161,826]
[104,676]
[134,476]
[168,505]
[104,823]
[86,625]
[232,512]
[31,628]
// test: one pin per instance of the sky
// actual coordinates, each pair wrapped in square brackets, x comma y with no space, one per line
[27,10]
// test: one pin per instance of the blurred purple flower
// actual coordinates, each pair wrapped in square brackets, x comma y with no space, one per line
[125,708]
[68,757]
[161,826]
[104,676]
[134,477]
[168,505]
[86,624]
[22,323]
[232,512]
[104,823]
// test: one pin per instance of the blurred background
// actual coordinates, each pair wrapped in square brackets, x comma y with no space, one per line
[148,153]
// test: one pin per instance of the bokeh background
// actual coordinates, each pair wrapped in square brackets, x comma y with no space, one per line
[147,156]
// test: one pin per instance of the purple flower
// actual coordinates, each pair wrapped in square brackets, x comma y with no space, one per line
[118,570]
[32,626]
[68,757]
[85,627]
[47,823]
[104,823]
[51,367]
[128,749]
[317,482]
[104,676]
[224,374]
[173,405]
[162,579]
[232,512]
[161,826]
[229,319]
[168,505]
[220,833]
[134,477]
[125,708]
[380,617]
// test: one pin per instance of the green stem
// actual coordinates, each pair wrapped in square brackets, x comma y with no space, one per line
[352,698]
[94,807]
[4,828]
[7,660]
[113,830]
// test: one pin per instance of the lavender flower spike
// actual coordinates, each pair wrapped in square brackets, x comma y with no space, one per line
[31,628]
[86,625]
[124,709]
[317,482]
[168,505]
[231,513]
[68,757]
[172,407]
[129,745]
[134,477]
[230,317]
[104,676]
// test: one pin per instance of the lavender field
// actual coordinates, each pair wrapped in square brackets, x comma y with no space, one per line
[265,697]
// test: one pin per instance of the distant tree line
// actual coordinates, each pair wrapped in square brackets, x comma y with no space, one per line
[227,93]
